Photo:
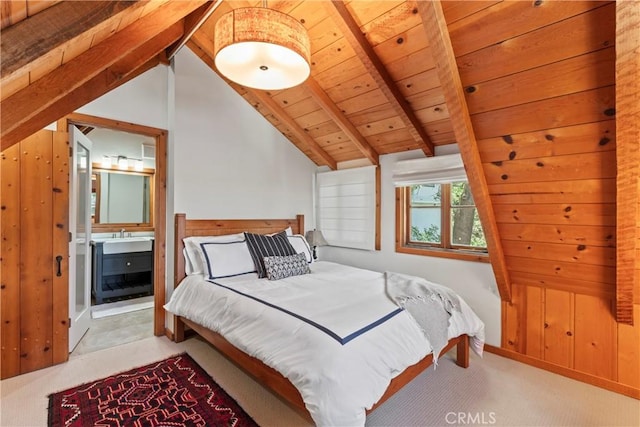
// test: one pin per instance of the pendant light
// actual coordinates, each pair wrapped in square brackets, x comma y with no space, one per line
[262,48]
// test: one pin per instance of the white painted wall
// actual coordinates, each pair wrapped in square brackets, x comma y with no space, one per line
[474,281]
[142,100]
[228,160]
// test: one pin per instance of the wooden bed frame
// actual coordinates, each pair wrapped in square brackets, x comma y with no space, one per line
[264,374]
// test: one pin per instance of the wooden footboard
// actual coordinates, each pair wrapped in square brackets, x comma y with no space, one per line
[264,374]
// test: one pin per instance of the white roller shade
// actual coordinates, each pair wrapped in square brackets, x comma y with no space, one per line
[429,170]
[346,203]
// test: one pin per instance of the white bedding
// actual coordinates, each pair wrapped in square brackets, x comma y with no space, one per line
[338,382]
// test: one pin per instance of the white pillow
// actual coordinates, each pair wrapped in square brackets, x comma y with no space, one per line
[188,268]
[301,245]
[194,250]
[227,259]
[288,231]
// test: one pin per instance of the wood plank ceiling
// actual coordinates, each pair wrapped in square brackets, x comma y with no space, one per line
[537,77]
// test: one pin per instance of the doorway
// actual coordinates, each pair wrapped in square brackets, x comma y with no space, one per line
[158,211]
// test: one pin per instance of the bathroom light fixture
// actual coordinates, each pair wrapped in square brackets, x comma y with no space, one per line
[315,238]
[262,48]
[106,161]
[123,162]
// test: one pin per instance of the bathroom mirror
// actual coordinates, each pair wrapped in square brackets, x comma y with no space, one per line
[121,199]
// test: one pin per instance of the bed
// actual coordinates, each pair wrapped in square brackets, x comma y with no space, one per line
[259,363]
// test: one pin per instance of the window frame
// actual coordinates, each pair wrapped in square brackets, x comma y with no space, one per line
[445,249]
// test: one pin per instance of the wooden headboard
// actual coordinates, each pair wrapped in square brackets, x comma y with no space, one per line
[216,227]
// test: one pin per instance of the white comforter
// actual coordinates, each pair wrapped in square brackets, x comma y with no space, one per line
[338,382]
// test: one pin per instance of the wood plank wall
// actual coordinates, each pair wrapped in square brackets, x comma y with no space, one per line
[34,215]
[540,86]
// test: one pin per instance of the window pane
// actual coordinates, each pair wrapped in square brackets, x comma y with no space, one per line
[426,213]
[425,225]
[425,195]
[466,229]
[461,194]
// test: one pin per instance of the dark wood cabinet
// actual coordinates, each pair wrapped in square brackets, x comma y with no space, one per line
[121,274]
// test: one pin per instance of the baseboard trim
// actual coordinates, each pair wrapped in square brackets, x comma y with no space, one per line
[566,372]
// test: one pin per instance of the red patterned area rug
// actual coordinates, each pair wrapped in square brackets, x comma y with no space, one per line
[173,392]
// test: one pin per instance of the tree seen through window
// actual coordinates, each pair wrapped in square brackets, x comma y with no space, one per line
[431,204]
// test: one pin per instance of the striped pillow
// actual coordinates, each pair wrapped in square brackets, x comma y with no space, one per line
[261,246]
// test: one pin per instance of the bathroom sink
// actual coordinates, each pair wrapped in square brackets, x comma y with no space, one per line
[126,244]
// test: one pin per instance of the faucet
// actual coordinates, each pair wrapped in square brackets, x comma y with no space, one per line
[122,233]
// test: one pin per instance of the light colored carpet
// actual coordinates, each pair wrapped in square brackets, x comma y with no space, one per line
[493,391]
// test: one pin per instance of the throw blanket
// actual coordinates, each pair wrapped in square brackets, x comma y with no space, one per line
[429,304]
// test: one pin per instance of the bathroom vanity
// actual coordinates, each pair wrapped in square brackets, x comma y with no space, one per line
[122,267]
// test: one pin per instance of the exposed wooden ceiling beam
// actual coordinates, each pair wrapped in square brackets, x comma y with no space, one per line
[192,23]
[32,41]
[435,25]
[137,62]
[343,123]
[627,156]
[352,33]
[281,115]
[27,103]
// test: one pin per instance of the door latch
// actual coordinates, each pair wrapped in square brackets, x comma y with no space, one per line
[59,261]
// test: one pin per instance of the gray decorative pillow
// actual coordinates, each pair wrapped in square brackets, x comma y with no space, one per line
[279,267]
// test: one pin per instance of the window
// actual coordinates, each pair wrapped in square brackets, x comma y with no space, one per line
[439,220]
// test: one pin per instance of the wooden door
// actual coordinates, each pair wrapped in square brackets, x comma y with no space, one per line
[34,212]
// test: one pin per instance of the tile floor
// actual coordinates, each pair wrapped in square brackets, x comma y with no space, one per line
[116,330]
